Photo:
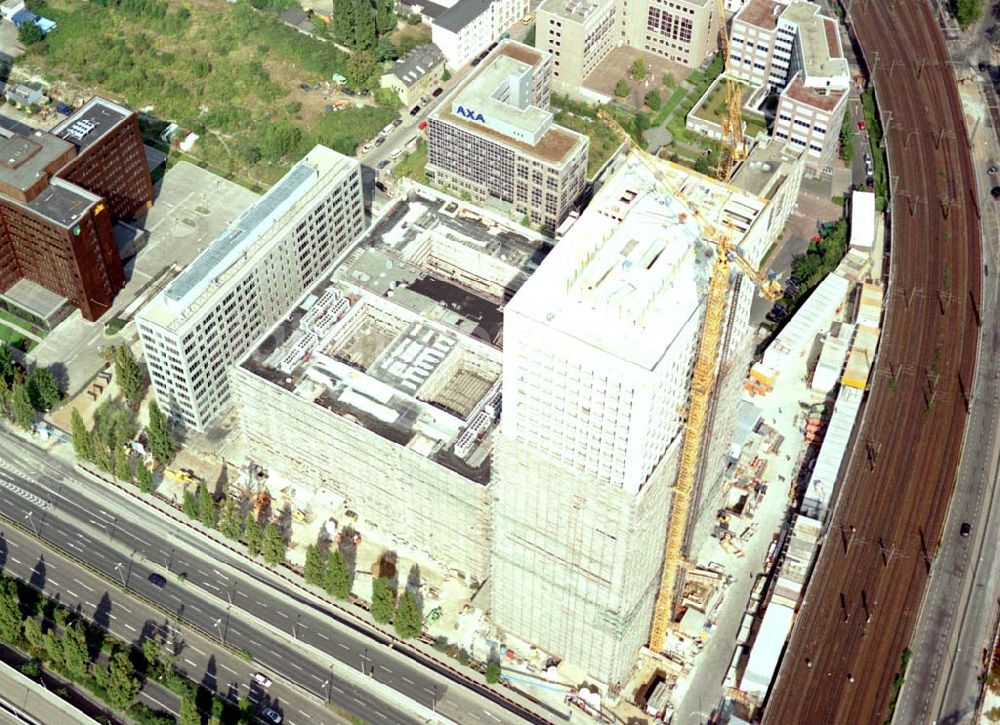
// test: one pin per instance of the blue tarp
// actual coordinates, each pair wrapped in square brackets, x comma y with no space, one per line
[44,24]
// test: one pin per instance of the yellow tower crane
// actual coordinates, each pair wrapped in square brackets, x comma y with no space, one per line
[702,384]
[733,141]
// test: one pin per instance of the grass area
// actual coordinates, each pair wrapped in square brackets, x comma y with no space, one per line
[15,339]
[701,80]
[878,153]
[412,165]
[897,683]
[231,74]
[676,96]
[409,37]
[16,321]
[582,118]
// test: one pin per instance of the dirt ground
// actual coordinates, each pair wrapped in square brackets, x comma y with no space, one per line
[616,67]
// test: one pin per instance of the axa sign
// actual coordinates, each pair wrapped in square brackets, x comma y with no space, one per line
[470,114]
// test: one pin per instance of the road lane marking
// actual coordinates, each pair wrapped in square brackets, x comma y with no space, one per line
[89,589]
[129,627]
[323,636]
[292,663]
[157,702]
[490,714]
[242,595]
[386,669]
[15,560]
[112,616]
[380,714]
[261,603]
[342,645]
[281,613]
[305,714]
[193,664]
[229,669]
[73,594]
[122,606]
[14,544]
[212,586]
[408,680]
[196,650]
[253,697]
[53,582]
[333,686]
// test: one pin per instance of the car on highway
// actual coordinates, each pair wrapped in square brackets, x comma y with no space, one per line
[271,715]
[861,125]
[261,679]
[965,529]
[157,580]
[382,164]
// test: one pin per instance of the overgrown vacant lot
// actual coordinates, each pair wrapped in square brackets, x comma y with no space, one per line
[232,74]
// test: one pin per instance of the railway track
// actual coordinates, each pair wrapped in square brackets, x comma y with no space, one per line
[865,592]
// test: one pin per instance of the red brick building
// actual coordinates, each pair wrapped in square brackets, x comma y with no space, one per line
[60,194]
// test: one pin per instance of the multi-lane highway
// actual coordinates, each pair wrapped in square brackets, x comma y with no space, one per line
[862,602]
[131,619]
[229,597]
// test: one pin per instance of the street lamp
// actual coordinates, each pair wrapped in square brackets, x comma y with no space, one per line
[30,518]
[364,656]
[434,698]
[118,568]
[295,626]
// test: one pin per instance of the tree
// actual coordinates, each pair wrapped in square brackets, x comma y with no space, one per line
[847,138]
[190,505]
[53,649]
[32,631]
[43,390]
[445,76]
[121,686]
[206,506]
[83,444]
[408,620]
[189,714]
[29,33]
[653,100]
[385,16]
[113,426]
[218,707]
[337,580]
[252,534]
[279,139]
[7,367]
[493,672]
[74,651]
[273,546]
[161,444]
[343,22]
[231,523]
[638,70]
[967,12]
[622,89]
[383,600]
[365,30]
[24,411]
[668,80]
[10,613]
[104,460]
[360,68]
[385,50]
[314,570]
[129,375]
[123,469]
[143,477]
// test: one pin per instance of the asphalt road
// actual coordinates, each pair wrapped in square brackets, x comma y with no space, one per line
[132,620]
[102,526]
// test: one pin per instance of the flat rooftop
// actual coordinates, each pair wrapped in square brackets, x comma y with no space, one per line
[799,91]
[631,272]
[24,159]
[247,237]
[761,13]
[482,92]
[61,202]
[762,171]
[91,122]
[573,10]
[819,40]
[404,336]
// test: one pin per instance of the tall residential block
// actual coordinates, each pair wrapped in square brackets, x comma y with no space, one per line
[465,28]
[211,313]
[378,392]
[578,34]
[60,194]
[684,31]
[795,51]
[598,351]
[494,138]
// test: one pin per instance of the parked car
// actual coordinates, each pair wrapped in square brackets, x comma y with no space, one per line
[995,191]
[367,147]
[382,164]
[381,187]
[397,123]
[437,92]
[992,170]
[380,140]
[475,62]
[261,679]
[396,153]
[271,715]
[363,92]
[526,20]
[63,109]
[415,110]
[425,99]
[347,91]
[776,315]
[965,529]
[861,125]
[422,125]
[157,580]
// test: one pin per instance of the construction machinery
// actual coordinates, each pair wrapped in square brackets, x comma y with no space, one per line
[703,379]
[734,147]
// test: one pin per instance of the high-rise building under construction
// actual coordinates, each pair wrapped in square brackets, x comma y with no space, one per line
[598,350]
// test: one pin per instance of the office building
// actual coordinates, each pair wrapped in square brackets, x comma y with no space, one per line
[494,139]
[60,194]
[381,386]
[415,74]
[795,51]
[684,31]
[211,313]
[598,350]
[110,157]
[578,34]
[464,29]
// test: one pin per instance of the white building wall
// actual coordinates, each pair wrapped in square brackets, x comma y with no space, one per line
[188,354]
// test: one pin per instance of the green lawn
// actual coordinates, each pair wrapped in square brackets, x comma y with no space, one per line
[412,165]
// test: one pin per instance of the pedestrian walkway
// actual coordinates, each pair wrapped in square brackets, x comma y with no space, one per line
[24,700]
